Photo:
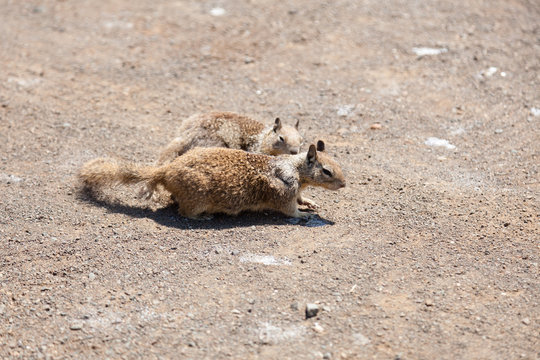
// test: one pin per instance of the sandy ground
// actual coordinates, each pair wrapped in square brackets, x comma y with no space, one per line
[431,251]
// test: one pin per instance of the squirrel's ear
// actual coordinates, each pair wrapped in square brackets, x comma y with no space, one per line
[311,154]
[297,123]
[277,124]
[320,145]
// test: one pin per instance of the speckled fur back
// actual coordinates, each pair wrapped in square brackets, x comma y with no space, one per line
[234,131]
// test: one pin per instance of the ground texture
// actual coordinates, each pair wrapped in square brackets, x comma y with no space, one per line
[430,252]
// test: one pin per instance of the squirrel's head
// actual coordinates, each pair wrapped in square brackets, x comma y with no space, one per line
[319,169]
[282,139]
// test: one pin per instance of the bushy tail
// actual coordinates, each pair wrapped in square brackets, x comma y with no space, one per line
[102,172]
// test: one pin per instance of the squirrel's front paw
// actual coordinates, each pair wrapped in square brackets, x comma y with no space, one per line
[310,204]
[301,214]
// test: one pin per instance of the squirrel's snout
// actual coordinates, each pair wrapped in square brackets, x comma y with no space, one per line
[294,151]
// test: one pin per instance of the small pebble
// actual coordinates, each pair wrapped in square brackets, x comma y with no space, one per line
[376,126]
[318,328]
[327,356]
[429,302]
[526,321]
[498,131]
[217,11]
[236,311]
[311,310]
[295,306]
[76,326]
[91,276]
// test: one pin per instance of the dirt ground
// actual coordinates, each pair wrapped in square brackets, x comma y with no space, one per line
[430,252]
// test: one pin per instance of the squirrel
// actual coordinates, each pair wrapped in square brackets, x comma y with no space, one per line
[205,181]
[234,131]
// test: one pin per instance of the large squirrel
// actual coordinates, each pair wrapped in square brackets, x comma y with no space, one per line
[234,131]
[204,181]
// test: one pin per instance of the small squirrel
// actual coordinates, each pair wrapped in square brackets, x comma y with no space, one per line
[234,131]
[204,181]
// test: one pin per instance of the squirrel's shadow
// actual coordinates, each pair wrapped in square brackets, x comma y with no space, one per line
[168,215]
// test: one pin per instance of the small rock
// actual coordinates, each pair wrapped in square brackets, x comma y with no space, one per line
[10,179]
[345,110]
[91,276]
[248,60]
[311,310]
[526,321]
[425,51]
[236,311]
[217,11]
[295,306]
[376,126]
[535,111]
[428,302]
[360,339]
[490,71]
[433,141]
[318,328]
[498,131]
[76,326]
[327,356]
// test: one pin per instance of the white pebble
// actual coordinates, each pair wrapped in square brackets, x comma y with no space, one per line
[345,110]
[491,71]
[264,259]
[423,51]
[318,328]
[217,11]
[433,141]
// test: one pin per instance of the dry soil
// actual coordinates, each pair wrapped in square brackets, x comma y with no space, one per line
[430,252]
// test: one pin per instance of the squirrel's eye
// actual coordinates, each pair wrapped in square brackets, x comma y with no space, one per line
[327,172]
[281,138]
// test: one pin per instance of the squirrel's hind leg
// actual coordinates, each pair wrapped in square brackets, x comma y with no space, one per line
[194,212]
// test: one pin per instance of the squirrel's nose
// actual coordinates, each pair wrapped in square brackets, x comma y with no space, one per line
[294,151]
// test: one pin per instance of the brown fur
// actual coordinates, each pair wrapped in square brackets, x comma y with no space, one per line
[216,180]
[234,131]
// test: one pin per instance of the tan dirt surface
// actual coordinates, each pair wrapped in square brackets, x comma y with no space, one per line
[430,252]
